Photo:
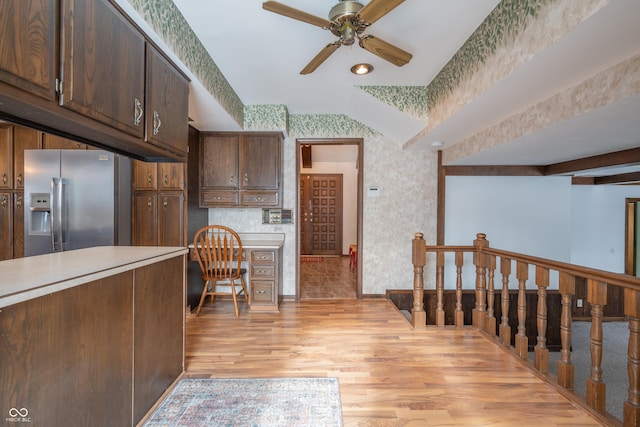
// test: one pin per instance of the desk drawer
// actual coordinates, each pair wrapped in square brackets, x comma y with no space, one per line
[260,271]
[262,292]
[263,257]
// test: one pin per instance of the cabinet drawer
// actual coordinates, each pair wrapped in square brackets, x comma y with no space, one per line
[263,257]
[218,198]
[259,198]
[260,271]
[262,292]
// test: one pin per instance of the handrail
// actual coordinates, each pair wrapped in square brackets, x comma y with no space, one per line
[487,260]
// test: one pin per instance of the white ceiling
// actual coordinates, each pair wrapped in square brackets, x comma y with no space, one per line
[261,54]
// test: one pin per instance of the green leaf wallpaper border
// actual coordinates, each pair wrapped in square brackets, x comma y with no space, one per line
[502,25]
[411,100]
[328,126]
[266,117]
[167,21]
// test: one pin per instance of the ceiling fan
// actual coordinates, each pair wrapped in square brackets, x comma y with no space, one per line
[348,20]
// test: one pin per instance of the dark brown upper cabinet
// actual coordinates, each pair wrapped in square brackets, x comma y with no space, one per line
[29,45]
[103,65]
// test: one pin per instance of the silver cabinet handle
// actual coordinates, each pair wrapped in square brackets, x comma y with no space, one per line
[232,179]
[149,202]
[138,111]
[19,178]
[165,202]
[19,201]
[150,178]
[5,178]
[246,179]
[4,203]
[261,292]
[156,122]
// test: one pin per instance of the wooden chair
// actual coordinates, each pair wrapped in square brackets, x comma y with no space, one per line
[218,250]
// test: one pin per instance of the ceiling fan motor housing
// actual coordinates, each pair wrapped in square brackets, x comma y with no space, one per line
[344,11]
[343,15]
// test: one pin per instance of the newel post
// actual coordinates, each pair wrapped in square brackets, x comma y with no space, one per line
[480,261]
[419,260]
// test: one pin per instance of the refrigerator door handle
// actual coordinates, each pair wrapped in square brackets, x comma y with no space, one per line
[56,214]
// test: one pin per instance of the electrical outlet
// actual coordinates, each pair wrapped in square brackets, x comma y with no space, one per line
[579,303]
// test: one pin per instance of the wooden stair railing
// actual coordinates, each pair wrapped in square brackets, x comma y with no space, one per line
[486,262]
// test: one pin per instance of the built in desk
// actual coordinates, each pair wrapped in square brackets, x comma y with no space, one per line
[262,253]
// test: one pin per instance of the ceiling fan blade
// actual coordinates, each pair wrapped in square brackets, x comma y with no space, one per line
[320,58]
[281,9]
[384,50]
[376,9]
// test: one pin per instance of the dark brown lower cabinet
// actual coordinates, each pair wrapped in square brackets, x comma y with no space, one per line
[98,354]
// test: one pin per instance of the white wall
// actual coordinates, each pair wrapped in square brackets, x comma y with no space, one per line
[540,216]
[598,225]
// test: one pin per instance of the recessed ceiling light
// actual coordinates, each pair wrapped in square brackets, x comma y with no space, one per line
[362,69]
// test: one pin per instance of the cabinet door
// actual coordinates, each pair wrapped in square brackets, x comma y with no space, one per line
[6,157]
[219,162]
[29,45]
[103,65]
[145,222]
[171,219]
[55,142]
[18,225]
[6,223]
[145,175]
[171,176]
[23,139]
[167,121]
[260,162]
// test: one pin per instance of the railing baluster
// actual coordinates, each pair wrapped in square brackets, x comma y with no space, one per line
[505,329]
[567,288]
[631,411]
[419,259]
[490,324]
[541,352]
[479,259]
[440,289]
[459,318]
[596,388]
[522,342]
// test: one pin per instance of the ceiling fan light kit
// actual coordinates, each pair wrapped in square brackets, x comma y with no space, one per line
[348,20]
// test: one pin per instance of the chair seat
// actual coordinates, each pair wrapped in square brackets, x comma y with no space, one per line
[234,273]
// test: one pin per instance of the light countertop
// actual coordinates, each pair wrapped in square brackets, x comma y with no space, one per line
[22,279]
[260,240]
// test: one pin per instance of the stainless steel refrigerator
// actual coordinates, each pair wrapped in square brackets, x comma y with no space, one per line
[75,199]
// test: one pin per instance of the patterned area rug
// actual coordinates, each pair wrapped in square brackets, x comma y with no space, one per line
[254,402]
[311,258]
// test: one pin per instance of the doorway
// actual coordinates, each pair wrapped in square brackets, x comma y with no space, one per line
[632,238]
[329,202]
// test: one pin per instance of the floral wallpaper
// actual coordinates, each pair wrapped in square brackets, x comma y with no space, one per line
[167,21]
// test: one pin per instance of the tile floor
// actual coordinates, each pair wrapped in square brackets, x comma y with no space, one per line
[330,278]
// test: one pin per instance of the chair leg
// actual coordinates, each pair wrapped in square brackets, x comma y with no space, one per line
[203,296]
[244,289]
[235,298]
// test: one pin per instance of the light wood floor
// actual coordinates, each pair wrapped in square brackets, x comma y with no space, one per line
[389,374]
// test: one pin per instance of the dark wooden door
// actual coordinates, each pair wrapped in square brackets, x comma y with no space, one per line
[171,219]
[28,45]
[219,162]
[145,223]
[167,104]
[260,162]
[104,65]
[23,139]
[321,214]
